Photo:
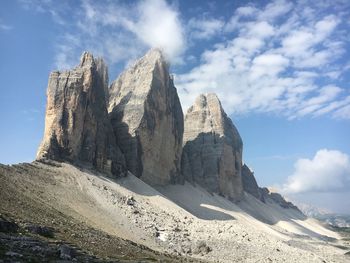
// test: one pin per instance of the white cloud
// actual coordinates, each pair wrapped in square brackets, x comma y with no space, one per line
[120,32]
[204,28]
[277,61]
[260,29]
[275,10]
[246,11]
[268,65]
[5,27]
[342,113]
[328,171]
[157,25]
[280,58]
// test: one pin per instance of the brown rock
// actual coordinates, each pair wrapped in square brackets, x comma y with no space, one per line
[146,115]
[212,153]
[77,126]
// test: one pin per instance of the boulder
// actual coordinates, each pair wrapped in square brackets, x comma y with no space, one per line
[7,226]
[212,152]
[147,118]
[39,230]
[249,183]
[77,125]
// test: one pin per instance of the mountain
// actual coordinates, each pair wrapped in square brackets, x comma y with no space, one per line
[77,126]
[333,219]
[212,153]
[147,118]
[122,176]
[249,183]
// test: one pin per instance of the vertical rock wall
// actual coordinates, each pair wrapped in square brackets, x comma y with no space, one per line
[212,153]
[147,119]
[77,126]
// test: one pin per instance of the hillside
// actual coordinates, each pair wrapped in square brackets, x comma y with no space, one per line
[122,175]
[98,214]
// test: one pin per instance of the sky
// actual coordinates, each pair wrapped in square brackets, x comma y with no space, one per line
[280,68]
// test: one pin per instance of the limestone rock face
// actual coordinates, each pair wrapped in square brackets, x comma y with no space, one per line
[269,195]
[77,126]
[249,183]
[212,152]
[146,115]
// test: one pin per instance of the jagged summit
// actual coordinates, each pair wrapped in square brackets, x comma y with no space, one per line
[249,183]
[147,119]
[143,129]
[77,127]
[212,152]
[155,54]
[153,63]
[86,59]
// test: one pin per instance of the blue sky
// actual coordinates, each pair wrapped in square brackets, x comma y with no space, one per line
[280,68]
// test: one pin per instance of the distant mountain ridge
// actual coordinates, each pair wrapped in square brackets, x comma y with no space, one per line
[333,219]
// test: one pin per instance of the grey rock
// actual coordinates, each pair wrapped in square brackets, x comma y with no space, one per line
[202,248]
[130,201]
[147,119]
[212,153]
[249,183]
[13,254]
[7,226]
[40,230]
[66,252]
[271,195]
[77,126]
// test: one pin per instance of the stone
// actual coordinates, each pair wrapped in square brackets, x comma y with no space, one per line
[77,125]
[147,118]
[7,226]
[130,201]
[202,248]
[66,252]
[13,254]
[212,152]
[249,183]
[270,194]
[39,230]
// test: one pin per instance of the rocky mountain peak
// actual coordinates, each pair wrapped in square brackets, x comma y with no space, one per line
[86,59]
[155,54]
[249,183]
[77,127]
[212,153]
[147,119]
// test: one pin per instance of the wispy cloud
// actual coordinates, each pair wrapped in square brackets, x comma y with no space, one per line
[4,26]
[204,28]
[284,58]
[117,31]
[328,171]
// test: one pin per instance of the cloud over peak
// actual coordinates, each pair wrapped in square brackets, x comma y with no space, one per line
[327,171]
[158,25]
[278,58]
